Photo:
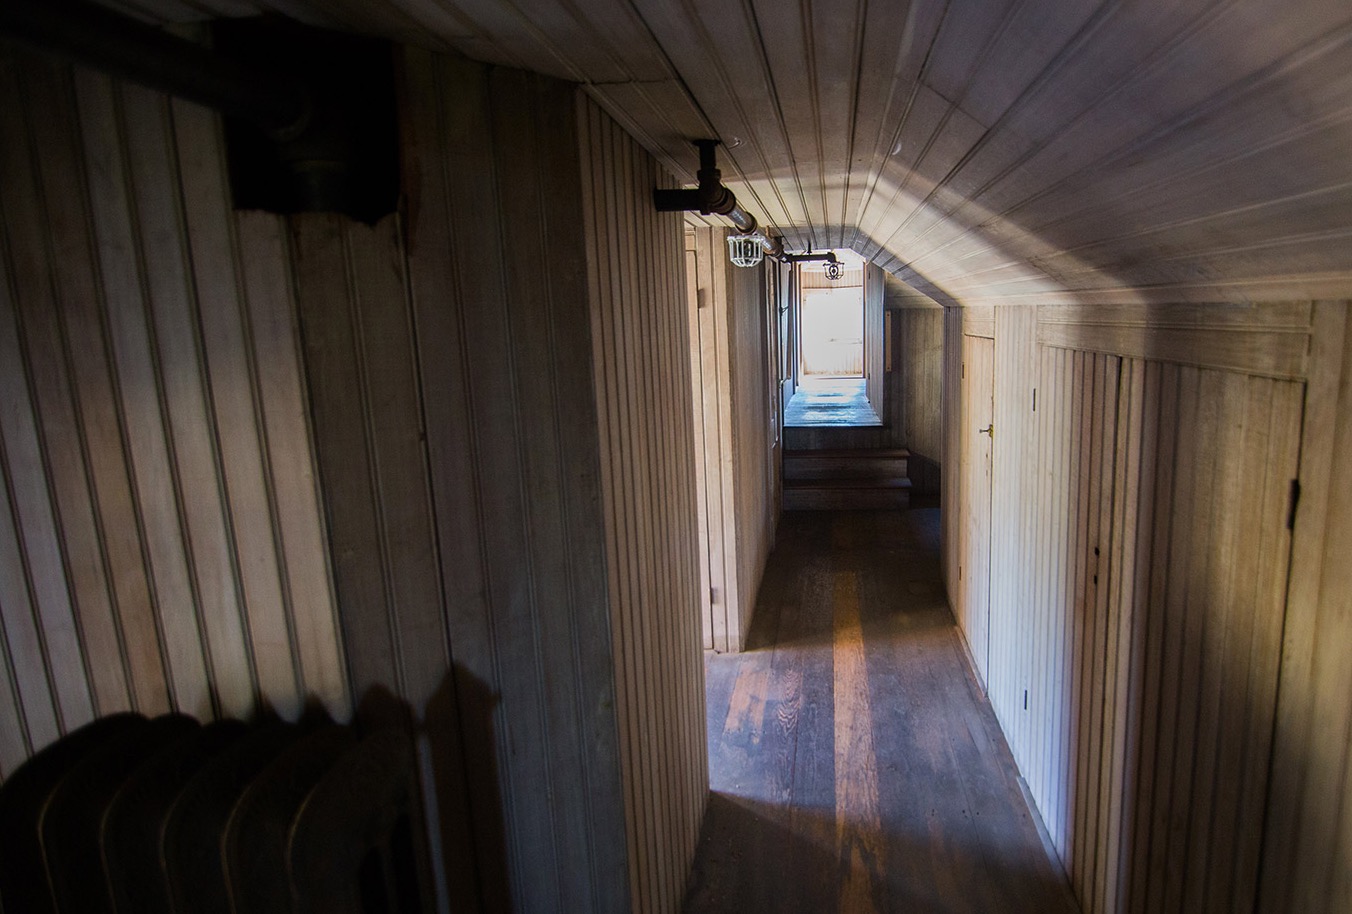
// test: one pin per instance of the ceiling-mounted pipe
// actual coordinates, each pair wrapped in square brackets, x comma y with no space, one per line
[95,36]
[712,197]
[829,257]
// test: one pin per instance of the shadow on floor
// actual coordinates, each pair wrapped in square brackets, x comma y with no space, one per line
[855,763]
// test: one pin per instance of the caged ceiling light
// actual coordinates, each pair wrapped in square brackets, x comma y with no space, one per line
[834,270]
[745,250]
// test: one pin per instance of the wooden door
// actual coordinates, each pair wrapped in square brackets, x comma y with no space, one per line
[976,447]
[710,374]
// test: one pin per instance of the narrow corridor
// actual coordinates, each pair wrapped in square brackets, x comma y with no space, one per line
[855,764]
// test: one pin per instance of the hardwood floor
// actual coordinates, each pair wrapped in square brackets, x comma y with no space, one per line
[855,764]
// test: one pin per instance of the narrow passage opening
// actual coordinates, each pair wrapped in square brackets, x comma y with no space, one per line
[831,365]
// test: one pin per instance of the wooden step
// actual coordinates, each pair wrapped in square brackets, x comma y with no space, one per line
[827,437]
[879,494]
[846,464]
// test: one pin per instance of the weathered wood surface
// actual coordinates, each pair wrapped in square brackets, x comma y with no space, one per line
[854,762]
[915,383]
[1140,549]
[640,336]
[162,534]
[1307,857]
[457,440]
[875,375]
[737,475]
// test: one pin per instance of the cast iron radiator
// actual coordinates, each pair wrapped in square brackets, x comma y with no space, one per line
[129,814]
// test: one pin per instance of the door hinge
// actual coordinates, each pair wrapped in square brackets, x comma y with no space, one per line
[1295,500]
[1034,399]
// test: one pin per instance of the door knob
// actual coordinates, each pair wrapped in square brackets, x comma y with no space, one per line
[988,430]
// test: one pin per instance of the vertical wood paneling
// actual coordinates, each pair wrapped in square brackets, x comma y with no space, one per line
[164,543]
[737,432]
[952,409]
[1138,566]
[26,519]
[1307,854]
[26,660]
[753,434]
[641,350]
[915,391]
[450,367]
[199,536]
[250,546]
[154,391]
[267,280]
[57,526]
[710,538]
[131,348]
[875,376]
[122,635]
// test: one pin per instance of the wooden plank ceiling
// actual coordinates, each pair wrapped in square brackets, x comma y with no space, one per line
[982,150]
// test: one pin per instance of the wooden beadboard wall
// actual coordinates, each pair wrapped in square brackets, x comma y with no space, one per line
[1139,541]
[953,422]
[708,331]
[643,395]
[738,474]
[753,436]
[451,371]
[875,383]
[915,383]
[1307,860]
[161,537]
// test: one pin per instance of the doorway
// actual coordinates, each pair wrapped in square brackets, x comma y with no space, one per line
[836,383]
[833,333]
[976,447]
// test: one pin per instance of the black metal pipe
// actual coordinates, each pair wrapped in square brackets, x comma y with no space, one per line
[92,35]
[829,257]
[711,198]
[675,201]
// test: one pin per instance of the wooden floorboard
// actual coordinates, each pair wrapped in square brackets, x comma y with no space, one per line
[855,764]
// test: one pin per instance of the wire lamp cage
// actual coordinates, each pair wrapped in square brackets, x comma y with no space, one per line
[745,250]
